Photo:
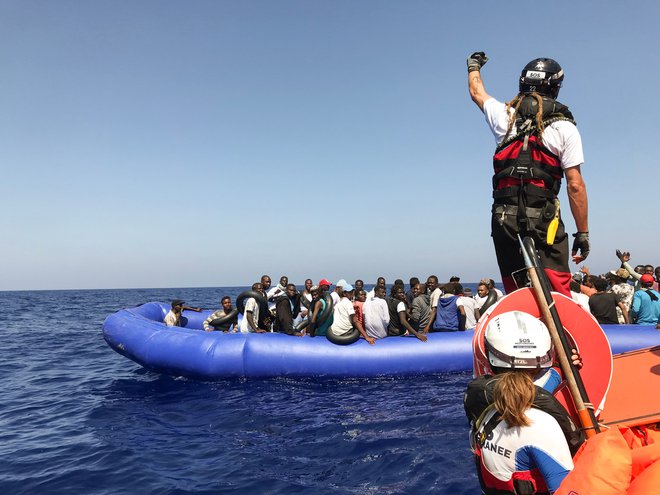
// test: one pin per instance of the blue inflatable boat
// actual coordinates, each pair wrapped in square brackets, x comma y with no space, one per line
[140,335]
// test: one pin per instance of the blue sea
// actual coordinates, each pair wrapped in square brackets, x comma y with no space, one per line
[76,417]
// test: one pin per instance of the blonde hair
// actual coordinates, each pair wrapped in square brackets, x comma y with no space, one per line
[515,104]
[513,394]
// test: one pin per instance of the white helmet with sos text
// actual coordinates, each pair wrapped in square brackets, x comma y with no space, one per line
[518,340]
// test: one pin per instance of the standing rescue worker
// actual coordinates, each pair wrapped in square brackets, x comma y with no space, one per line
[537,144]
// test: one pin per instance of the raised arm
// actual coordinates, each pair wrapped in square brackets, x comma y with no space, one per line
[475,84]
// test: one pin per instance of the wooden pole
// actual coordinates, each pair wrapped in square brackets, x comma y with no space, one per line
[551,318]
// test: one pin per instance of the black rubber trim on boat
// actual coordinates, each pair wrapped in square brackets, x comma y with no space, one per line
[216,322]
[260,298]
[490,300]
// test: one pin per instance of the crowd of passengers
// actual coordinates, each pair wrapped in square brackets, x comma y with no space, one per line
[624,295]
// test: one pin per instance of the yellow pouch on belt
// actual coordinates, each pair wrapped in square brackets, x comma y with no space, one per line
[554,225]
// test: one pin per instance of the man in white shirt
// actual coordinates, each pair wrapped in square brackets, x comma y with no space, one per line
[376,314]
[467,302]
[344,315]
[250,321]
[537,144]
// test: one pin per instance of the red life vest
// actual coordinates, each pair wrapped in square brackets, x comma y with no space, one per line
[522,164]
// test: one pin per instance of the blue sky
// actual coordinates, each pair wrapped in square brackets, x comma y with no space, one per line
[203,143]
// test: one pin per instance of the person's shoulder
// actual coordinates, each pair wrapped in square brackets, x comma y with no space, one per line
[493,105]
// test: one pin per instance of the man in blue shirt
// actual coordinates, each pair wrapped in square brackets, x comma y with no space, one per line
[646,303]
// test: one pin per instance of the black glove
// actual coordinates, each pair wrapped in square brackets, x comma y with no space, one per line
[581,243]
[476,61]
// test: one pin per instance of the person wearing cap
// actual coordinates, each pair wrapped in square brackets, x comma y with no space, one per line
[646,303]
[173,317]
[344,315]
[317,326]
[337,293]
[324,285]
[623,291]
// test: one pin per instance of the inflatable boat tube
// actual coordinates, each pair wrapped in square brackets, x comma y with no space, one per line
[140,335]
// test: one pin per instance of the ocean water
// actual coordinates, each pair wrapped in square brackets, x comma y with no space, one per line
[76,417]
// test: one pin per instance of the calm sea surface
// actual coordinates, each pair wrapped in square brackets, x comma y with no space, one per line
[75,417]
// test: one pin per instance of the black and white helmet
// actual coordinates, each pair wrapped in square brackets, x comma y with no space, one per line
[543,76]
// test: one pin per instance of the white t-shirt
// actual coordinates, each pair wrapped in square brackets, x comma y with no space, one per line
[469,305]
[342,316]
[273,293]
[250,305]
[172,320]
[582,300]
[561,138]
[376,317]
[335,298]
[435,295]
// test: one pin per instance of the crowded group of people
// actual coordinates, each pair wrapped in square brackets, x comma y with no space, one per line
[376,314]
[624,295]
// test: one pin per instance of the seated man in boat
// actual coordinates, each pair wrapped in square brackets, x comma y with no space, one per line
[287,308]
[319,319]
[252,314]
[380,282]
[324,285]
[448,315]
[376,314]
[603,304]
[224,314]
[420,308]
[522,437]
[469,305]
[646,303]
[623,291]
[344,316]
[358,305]
[435,293]
[173,317]
[410,295]
[399,319]
[337,293]
[274,293]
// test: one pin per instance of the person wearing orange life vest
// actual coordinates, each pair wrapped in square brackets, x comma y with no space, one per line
[537,144]
[522,438]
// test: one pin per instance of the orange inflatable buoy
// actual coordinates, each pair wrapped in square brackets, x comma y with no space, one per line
[602,467]
[648,482]
[622,461]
